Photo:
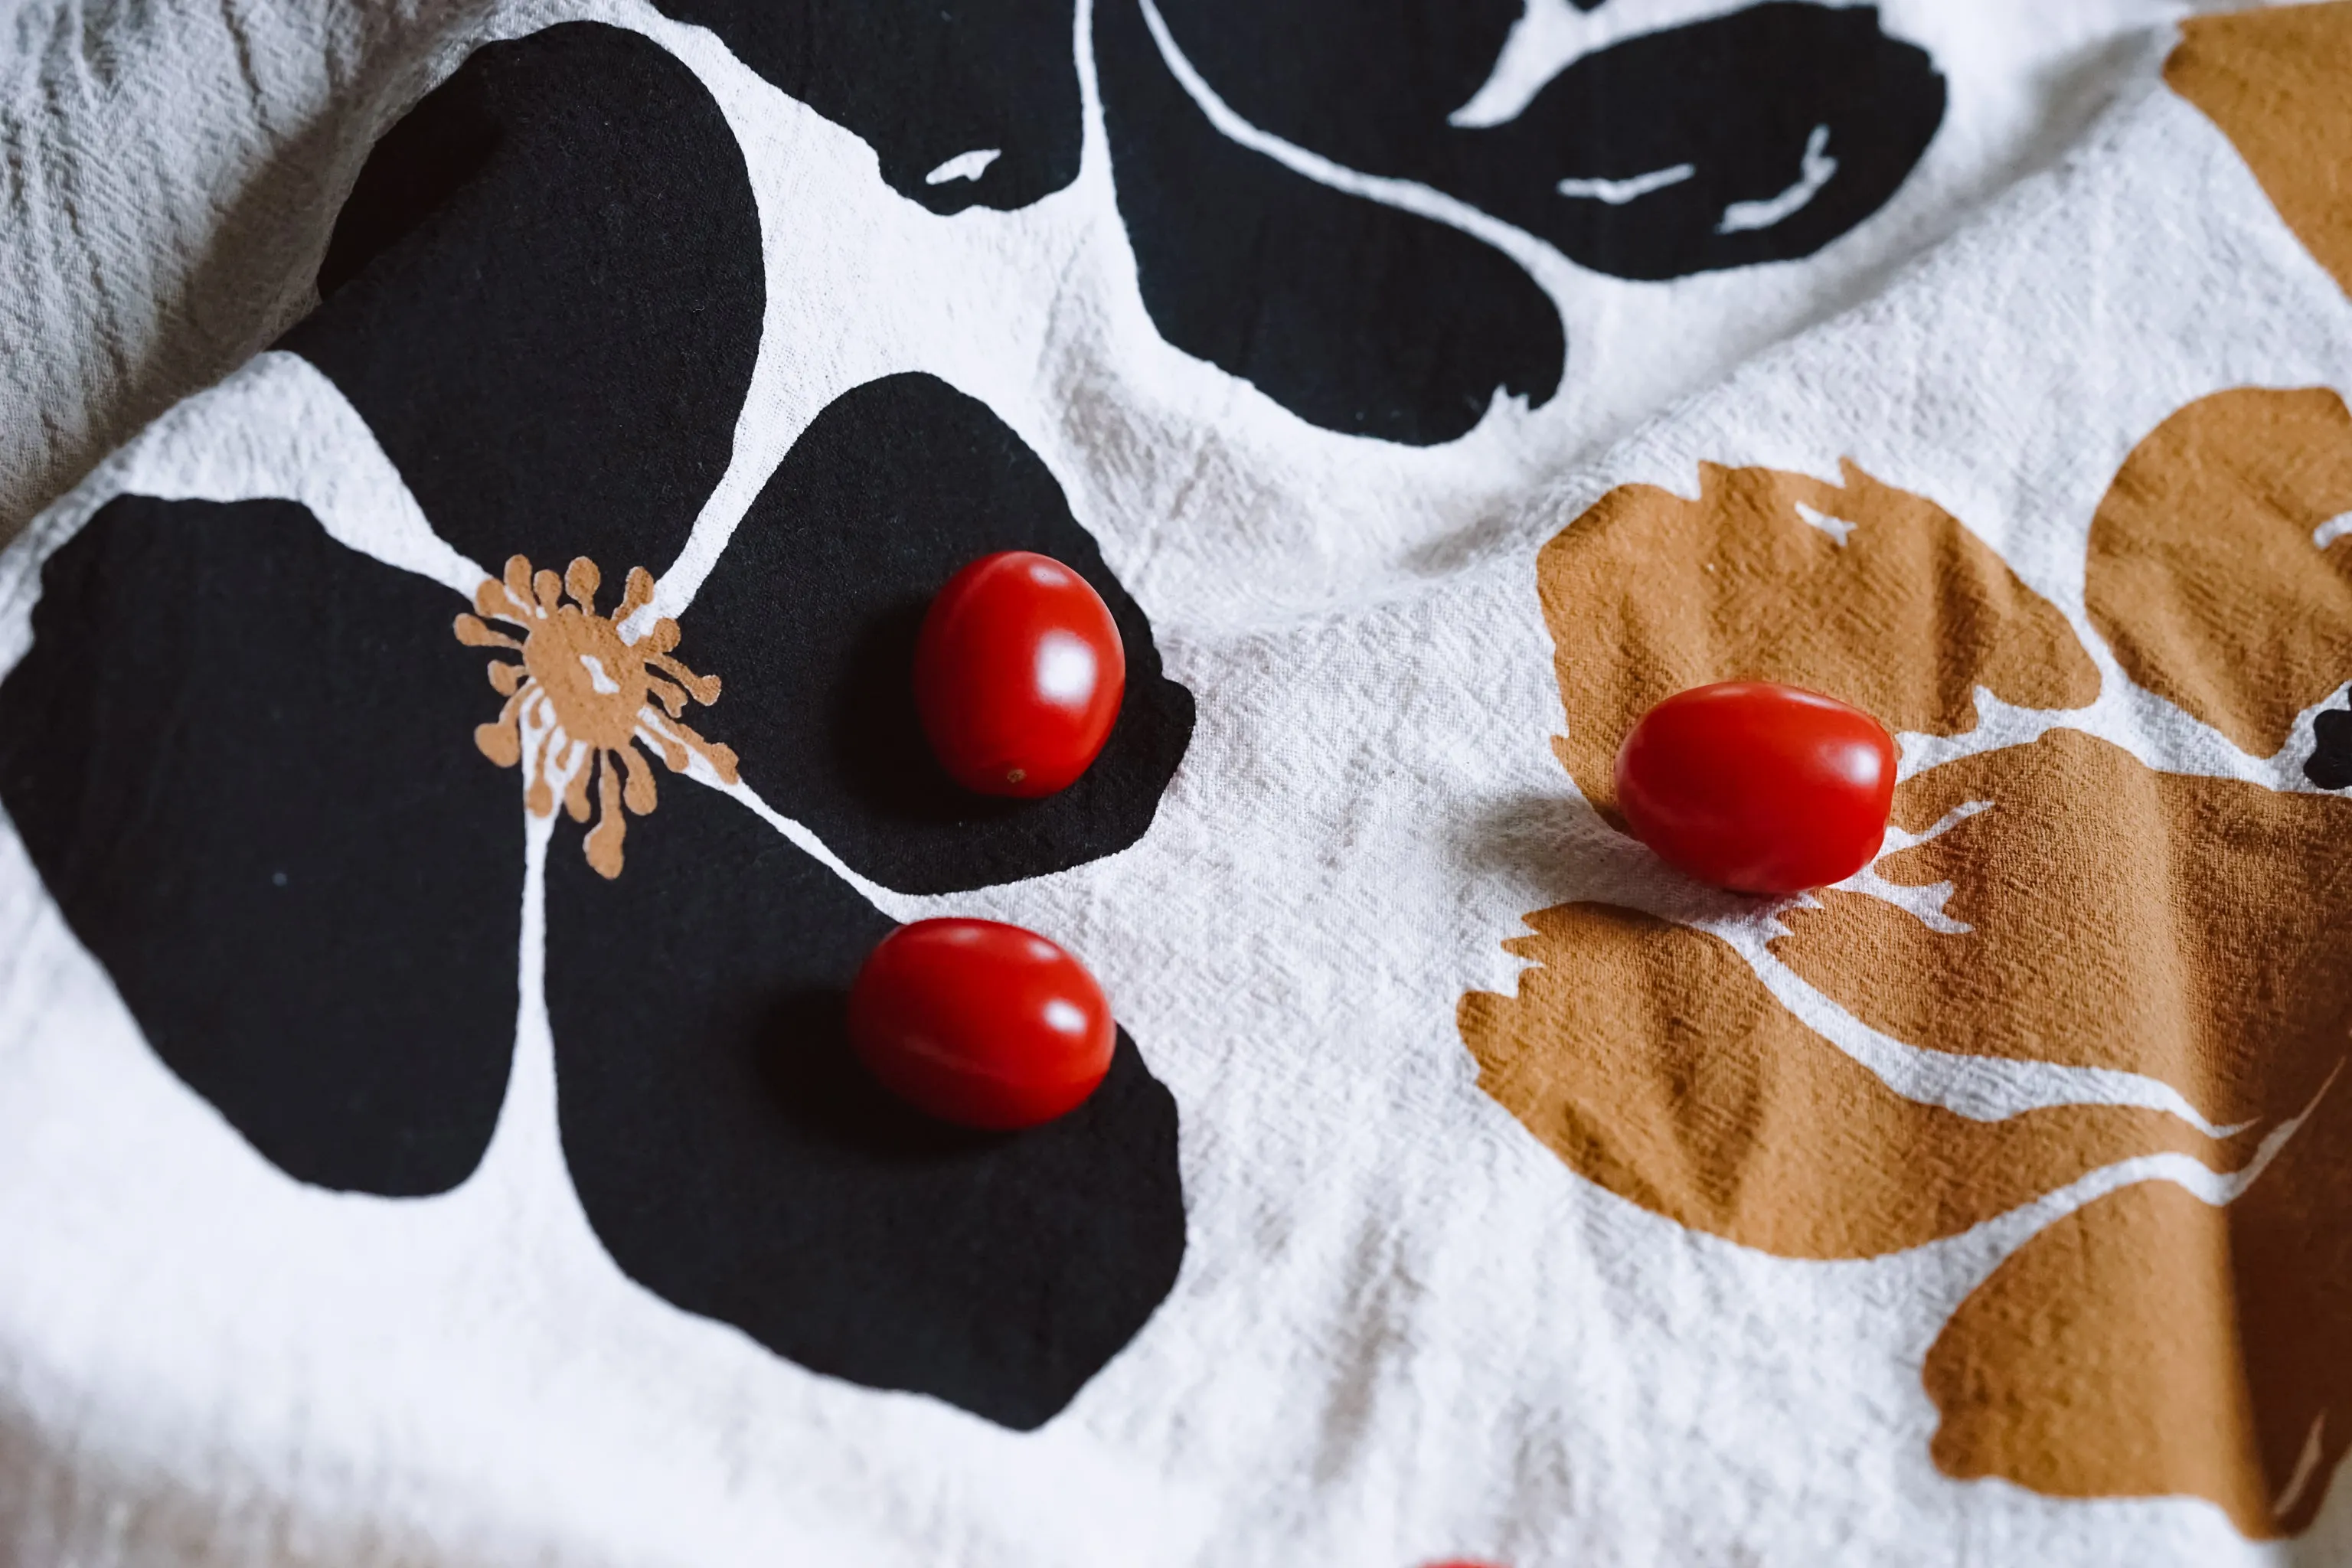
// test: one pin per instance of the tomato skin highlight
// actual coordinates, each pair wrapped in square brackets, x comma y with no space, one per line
[1019,674]
[981,1023]
[1758,787]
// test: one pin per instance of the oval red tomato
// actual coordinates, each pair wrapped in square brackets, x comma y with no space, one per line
[981,1023]
[1018,672]
[1758,787]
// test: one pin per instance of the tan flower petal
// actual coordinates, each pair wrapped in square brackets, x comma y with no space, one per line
[2151,1345]
[2203,576]
[1647,593]
[2273,81]
[1650,1058]
[2191,929]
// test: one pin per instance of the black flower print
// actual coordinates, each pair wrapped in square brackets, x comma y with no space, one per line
[265,780]
[735,1158]
[2330,764]
[574,215]
[965,103]
[878,501]
[227,752]
[1757,136]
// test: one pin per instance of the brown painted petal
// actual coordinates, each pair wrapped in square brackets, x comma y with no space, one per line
[2151,1345]
[2191,929]
[1649,1057]
[1648,595]
[2273,81]
[2202,574]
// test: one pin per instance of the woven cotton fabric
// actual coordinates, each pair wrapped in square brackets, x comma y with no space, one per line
[424,1142]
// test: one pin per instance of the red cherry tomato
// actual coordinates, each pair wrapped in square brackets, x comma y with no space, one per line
[981,1023]
[1019,673]
[1758,787]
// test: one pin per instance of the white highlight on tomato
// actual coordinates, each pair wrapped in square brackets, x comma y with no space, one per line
[1067,671]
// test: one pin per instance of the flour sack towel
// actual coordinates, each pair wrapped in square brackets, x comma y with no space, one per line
[485,469]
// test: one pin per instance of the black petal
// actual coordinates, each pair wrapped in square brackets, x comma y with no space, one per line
[1741,99]
[2330,764]
[242,758]
[1354,316]
[811,617]
[923,82]
[1728,106]
[737,1162]
[544,297]
[1366,83]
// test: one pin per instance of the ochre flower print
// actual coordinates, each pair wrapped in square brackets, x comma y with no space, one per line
[2165,927]
[2174,915]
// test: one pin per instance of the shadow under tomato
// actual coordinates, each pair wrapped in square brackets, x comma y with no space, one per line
[810,619]
[826,1095]
[877,736]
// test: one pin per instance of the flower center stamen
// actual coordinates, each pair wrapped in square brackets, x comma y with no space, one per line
[604,684]
[585,699]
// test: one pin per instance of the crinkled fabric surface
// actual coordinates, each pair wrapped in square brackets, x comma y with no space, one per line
[476,472]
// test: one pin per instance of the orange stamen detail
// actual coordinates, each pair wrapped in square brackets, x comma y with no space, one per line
[587,698]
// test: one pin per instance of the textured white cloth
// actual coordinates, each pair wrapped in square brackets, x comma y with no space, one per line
[1405,1330]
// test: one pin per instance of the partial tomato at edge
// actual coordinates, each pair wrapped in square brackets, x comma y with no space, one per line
[981,1023]
[1758,787]
[1019,674]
